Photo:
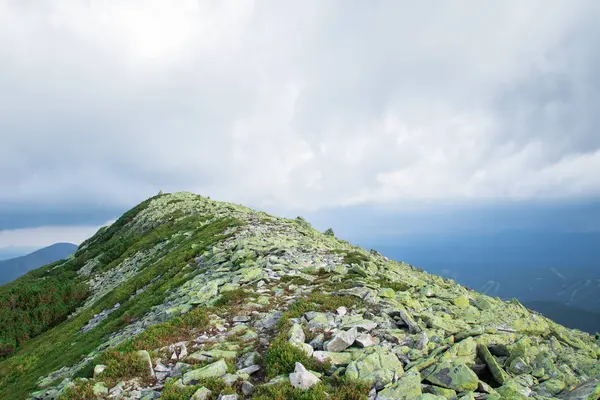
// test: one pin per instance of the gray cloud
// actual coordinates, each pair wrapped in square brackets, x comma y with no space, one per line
[300,105]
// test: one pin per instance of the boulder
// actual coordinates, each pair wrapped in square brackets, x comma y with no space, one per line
[201,394]
[303,379]
[247,388]
[496,370]
[342,340]
[296,334]
[333,358]
[98,369]
[586,391]
[145,356]
[364,340]
[454,375]
[379,367]
[408,387]
[214,370]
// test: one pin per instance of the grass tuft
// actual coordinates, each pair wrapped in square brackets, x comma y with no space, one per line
[232,298]
[83,390]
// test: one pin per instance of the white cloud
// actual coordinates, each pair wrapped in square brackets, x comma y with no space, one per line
[45,235]
[298,104]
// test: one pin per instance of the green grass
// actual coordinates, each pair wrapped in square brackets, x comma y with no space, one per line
[65,345]
[281,358]
[397,286]
[165,333]
[295,280]
[83,390]
[121,366]
[318,301]
[173,391]
[232,297]
[351,256]
[327,390]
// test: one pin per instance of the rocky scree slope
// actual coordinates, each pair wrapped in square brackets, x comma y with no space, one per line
[192,298]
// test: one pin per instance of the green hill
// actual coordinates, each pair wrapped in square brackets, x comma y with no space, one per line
[185,297]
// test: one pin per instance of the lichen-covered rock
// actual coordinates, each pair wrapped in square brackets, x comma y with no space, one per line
[408,387]
[550,387]
[214,370]
[454,375]
[257,279]
[342,340]
[440,391]
[333,358]
[379,367]
[496,370]
[586,391]
[201,394]
[303,379]
[512,389]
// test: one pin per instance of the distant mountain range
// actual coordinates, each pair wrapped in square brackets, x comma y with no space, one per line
[572,317]
[556,274]
[13,268]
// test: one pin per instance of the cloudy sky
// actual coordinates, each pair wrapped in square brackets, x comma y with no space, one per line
[329,108]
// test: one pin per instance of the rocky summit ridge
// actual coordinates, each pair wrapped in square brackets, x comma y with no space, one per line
[193,298]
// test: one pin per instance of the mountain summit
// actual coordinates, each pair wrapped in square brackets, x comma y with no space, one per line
[184,297]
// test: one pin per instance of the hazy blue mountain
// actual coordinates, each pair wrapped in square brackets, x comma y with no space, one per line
[572,317]
[15,267]
[7,253]
[538,268]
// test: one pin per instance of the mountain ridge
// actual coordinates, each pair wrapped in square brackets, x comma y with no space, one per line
[186,295]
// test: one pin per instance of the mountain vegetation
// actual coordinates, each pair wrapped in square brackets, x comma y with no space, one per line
[184,297]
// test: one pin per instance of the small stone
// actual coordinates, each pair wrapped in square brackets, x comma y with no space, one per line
[484,387]
[242,318]
[160,367]
[519,366]
[183,351]
[496,370]
[296,334]
[317,342]
[423,342]
[227,397]
[364,340]
[179,368]
[99,389]
[145,356]
[247,388]
[408,387]
[249,370]
[454,375]
[201,394]
[342,341]
[250,359]
[214,370]
[230,379]
[305,347]
[303,379]
[98,369]
[461,302]
[332,357]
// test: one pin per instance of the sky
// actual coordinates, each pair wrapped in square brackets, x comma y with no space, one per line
[352,113]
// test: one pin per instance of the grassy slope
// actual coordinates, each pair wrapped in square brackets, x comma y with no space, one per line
[64,345]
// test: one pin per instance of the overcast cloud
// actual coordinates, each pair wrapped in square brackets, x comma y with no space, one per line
[297,105]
